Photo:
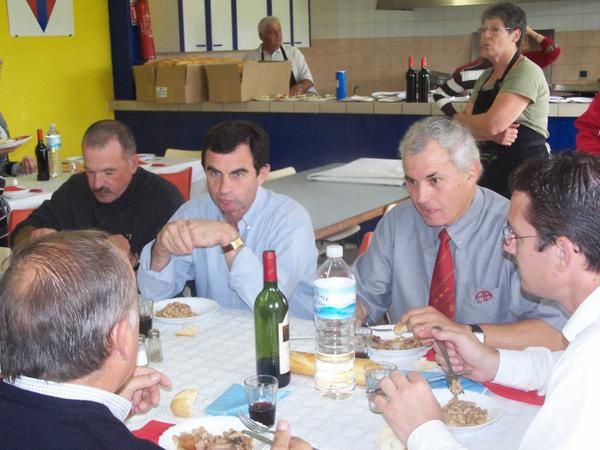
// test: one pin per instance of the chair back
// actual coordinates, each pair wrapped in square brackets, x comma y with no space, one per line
[280,173]
[17,216]
[182,180]
[181,153]
[366,241]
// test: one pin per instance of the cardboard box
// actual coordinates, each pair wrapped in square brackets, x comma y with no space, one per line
[184,83]
[235,83]
[145,77]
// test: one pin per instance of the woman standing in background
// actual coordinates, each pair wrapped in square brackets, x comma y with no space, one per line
[508,111]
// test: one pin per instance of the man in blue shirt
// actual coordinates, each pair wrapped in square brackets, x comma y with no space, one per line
[218,239]
[441,165]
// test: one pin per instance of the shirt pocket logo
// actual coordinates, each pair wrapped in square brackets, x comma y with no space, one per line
[483,296]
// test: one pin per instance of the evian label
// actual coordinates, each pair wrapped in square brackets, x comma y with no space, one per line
[335,298]
[284,345]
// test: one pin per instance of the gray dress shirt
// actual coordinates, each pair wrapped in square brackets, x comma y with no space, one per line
[395,273]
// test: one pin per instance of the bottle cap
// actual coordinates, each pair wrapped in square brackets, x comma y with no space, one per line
[335,251]
[153,333]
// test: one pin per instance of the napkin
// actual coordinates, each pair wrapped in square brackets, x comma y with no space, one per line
[468,385]
[12,188]
[152,431]
[159,164]
[233,400]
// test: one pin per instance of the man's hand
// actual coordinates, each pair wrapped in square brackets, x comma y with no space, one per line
[420,321]
[508,136]
[467,353]
[285,441]
[39,232]
[410,403]
[296,89]
[27,165]
[143,389]
[181,237]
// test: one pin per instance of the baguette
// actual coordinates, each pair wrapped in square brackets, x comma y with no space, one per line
[303,363]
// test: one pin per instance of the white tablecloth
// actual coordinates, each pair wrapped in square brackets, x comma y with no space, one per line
[34,200]
[223,353]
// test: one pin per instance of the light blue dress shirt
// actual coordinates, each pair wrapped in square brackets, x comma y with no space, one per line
[395,272]
[273,222]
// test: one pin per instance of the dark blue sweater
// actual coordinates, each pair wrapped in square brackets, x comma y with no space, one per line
[33,421]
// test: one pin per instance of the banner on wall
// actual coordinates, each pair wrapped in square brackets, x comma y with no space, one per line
[40,17]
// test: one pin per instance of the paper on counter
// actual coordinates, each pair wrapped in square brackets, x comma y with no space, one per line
[365,171]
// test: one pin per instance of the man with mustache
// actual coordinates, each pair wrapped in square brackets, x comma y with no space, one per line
[113,195]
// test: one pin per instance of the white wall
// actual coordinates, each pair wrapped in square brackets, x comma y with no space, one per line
[331,19]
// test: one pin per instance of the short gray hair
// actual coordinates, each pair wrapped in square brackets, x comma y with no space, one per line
[100,133]
[60,298]
[450,134]
[265,22]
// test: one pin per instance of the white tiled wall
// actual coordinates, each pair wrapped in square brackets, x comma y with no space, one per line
[331,19]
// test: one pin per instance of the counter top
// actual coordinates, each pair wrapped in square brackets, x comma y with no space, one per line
[325,107]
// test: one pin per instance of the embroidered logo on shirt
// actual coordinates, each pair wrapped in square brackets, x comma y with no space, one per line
[483,296]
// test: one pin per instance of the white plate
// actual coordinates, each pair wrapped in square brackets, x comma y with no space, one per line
[202,307]
[14,142]
[494,409]
[580,99]
[386,94]
[146,156]
[358,98]
[16,194]
[214,425]
[386,332]
[389,99]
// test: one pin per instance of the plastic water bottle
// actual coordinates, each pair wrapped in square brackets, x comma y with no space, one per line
[335,311]
[53,143]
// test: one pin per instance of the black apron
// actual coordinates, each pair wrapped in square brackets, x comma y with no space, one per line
[500,160]
[285,58]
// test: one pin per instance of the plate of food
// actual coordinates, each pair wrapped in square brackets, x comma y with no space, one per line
[467,411]
[201,432]
[387,344]
[263,98]
[6,144]
[16,192]
[183,310]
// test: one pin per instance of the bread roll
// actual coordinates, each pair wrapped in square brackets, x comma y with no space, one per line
[400,328]
[188,330]
[303,363]
[183,402]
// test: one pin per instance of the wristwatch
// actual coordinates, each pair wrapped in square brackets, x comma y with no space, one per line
[478,332]
[233,245]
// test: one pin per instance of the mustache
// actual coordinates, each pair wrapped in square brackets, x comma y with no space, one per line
[102,190]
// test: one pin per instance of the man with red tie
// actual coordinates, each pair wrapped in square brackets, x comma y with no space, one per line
[438,260]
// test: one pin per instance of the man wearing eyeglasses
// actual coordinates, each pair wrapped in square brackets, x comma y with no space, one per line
[438,260]
[553,236]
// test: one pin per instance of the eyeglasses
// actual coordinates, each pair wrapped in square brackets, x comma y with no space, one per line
[508,235]
[494,30]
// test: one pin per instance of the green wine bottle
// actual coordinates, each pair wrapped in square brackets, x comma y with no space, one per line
[271,325]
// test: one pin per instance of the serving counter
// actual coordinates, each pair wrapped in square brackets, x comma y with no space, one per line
[305,134]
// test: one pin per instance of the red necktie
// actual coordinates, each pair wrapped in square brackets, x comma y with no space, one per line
[441,293]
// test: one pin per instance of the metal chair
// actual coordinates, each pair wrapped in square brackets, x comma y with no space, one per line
[182,180]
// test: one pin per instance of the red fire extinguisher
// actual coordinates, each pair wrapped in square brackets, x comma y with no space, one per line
[142,10]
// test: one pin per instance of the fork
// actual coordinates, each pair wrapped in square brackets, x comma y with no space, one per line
[253,425]
[450,375]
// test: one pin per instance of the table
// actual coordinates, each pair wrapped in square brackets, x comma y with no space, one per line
[333,207]
[48,187]
[223,353]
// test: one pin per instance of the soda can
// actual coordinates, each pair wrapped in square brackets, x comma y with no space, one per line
[340,84]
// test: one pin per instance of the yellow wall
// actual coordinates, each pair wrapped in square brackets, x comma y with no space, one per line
[66,80]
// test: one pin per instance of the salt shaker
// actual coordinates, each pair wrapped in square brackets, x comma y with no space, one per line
[153,346]
[142,356]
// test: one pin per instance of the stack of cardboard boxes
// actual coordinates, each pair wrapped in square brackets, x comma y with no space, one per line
[195,79]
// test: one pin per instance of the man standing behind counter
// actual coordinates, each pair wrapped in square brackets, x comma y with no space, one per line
[218,239]
[114,195]
[272,49]
[441,165]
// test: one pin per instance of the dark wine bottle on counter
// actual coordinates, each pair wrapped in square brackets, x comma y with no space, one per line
[423,81]
[411,81]
[41,154]
[271,325]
